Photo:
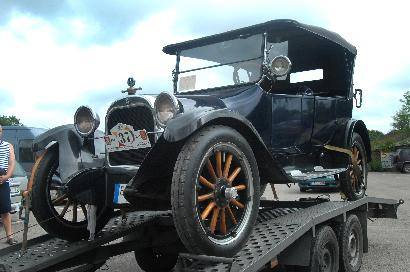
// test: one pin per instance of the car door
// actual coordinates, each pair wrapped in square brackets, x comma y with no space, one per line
[292,122]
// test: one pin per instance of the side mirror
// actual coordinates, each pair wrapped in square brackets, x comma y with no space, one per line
[358,97]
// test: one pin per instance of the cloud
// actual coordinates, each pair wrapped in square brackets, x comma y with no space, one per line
[88,22]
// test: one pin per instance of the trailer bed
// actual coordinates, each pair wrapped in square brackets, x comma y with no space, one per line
[280,226]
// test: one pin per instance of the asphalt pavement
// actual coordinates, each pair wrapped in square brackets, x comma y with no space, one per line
[389,239]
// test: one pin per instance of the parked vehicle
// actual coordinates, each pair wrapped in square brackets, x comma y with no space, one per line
[328,182]
[21,138]
[263,104]
[402,160]
[18,183]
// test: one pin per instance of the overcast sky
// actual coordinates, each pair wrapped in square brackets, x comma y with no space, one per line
[56,55]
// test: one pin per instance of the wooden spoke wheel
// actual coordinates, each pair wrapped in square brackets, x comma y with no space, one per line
[59,213]
[215,192]
[353,183]
[222,194]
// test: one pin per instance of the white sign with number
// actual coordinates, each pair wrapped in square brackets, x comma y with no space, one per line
[124,137]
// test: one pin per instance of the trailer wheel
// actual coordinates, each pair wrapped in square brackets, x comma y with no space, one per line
[215,192]
[353,183]
[325,251]
[152,261]
[56,212]
[351,244]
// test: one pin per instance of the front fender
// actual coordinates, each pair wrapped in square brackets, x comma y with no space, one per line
[180,128]
[74,151]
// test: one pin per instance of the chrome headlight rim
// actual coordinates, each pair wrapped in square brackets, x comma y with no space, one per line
[173,102]
[274,63]
[93,116]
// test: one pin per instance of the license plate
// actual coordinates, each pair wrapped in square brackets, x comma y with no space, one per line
[317,183]
[14,190]
[119,194]
[124,137]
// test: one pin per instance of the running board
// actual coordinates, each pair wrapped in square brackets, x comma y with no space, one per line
[319,172]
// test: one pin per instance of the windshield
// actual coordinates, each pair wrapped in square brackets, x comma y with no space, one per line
[220,64]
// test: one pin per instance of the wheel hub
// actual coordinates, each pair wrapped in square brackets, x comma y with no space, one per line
[224,193]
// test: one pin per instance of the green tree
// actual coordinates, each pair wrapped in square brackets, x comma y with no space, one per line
[9,120]
[375,135]
[401,120]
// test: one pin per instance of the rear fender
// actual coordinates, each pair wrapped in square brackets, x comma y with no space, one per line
[75,152]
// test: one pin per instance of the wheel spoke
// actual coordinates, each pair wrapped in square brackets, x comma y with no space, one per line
[357,153]
[214,219]
[206,183]
[237,203]
[240,187]
[205,197]
[59,199]
[227,166]
[231,215]
[211,170]
[208,210]
[223,221]
[74,212]
[218,164]
[63,212]
[234,174]
[84,210]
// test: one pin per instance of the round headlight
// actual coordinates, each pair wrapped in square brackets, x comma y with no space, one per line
[86,121]
[166,107]
[280,66]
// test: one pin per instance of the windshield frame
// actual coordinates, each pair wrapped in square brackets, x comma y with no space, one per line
[176,72]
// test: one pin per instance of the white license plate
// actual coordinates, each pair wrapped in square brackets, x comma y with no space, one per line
[124,137]
[318,183]
[119,194]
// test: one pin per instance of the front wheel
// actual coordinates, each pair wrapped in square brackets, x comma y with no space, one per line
[154,261]
[215,192]
[353,183]
[325,251]
[58,213]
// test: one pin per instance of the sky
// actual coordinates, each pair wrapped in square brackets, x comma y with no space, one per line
[56,55]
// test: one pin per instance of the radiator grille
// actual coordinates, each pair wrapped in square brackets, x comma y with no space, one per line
[140,117]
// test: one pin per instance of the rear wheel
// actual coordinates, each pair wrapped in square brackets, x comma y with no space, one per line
[55,210]
[215,192]
[353,183]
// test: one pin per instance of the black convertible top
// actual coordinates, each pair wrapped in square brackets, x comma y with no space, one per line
[280,25]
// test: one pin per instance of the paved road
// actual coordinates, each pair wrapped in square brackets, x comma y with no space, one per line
[389,240]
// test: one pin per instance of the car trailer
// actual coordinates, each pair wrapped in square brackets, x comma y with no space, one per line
[287,235]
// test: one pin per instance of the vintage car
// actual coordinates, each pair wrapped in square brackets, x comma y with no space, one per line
[269,103]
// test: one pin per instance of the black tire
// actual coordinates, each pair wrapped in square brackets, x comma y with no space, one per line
[351,244]
[325,251]
[44,210]
[406,168]
[352,185]
[152,261]
[191,211]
